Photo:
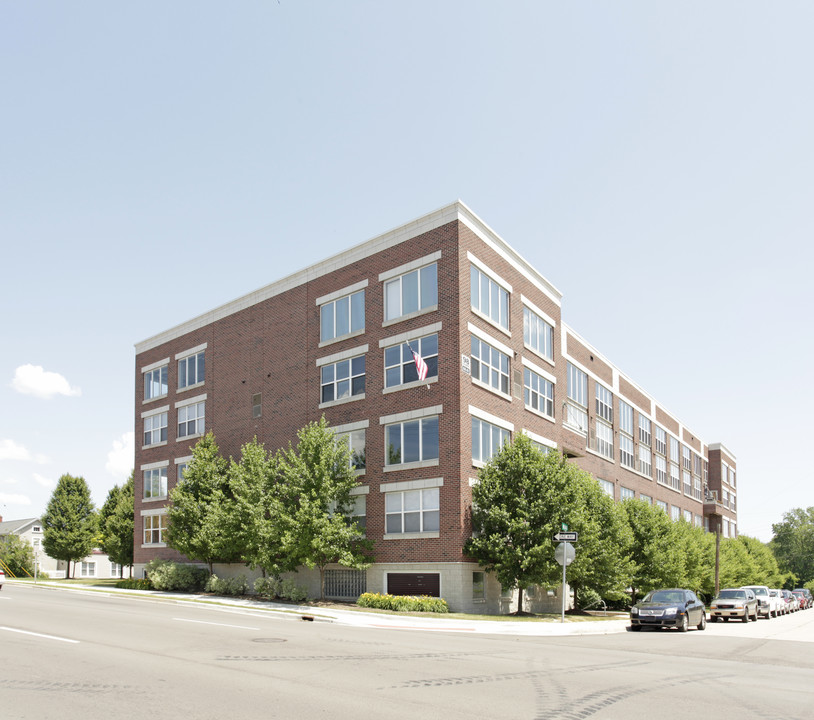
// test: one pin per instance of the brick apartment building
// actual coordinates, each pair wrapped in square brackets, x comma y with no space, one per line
[501,361]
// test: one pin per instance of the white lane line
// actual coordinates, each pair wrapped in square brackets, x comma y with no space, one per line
[203,622]
[47,637]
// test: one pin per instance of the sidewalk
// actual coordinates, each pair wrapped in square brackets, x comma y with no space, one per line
[361,618]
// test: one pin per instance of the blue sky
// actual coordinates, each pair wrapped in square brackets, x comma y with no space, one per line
[652,160]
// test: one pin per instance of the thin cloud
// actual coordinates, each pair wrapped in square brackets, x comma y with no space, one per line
[9,499]
[121,457]
[35,380]
[44,481]
[10,450]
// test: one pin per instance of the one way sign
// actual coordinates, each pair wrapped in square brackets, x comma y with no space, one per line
[566,537]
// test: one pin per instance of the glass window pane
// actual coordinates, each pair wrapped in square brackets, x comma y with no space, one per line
[504,308]
[429,438]
[392,502]
[412,500]
[392,356]
[392,299]
[394,444]
[358,365]
[494,309]
[393,524]
[429,346]
[327,373]
[326,322]
[476,452]
[393,377]
[357,311]
[342,316]
[411,441]
[474,286]
[432,521]
[484,294]
[343,369]
[342,389]
[429,286]
[409,292]
[430,498]
[412,522]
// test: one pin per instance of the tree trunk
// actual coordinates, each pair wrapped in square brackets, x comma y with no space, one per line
[520,601]
[322,583]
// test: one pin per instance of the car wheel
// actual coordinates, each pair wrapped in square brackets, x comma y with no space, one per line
[685,623]
[703,624]
[745,617]
[713,618]
[635,628]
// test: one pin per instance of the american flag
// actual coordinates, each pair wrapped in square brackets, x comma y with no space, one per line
[420,365]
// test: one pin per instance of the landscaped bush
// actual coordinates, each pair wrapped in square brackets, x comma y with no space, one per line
[273,589]
[173,576]
[227,586]
[134,584]
[403,603]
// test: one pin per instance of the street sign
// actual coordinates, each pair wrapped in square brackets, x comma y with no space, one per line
[566,536]
[564,554]
[564,527]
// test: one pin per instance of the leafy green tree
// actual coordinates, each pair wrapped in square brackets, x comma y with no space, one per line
[767,571]
[319,468]
[69,524]
[17,554]
[198,510]
[793,543]
[116,524]
[694,565]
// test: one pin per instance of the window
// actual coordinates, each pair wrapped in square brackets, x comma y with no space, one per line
[626,493]
[675,512]
[645,463]
[626,451]
[604,440]
[696,490]
[646,498]
[478,585]
[155,483]
[490,366]
[577,404]
[538,334]
[661,470]
[687,483]
[191,419]
[675,481]
[88,569]
[257,405]
[115,570]
[489,298]
[538,393]
[487,440]
[191,370]
[181,467]
[358,511]
[154,528]
[155,383]
[412,511]
[661,441]
[343,316]
[625,418]
[356,444]
[342,379]
[608,487]
[696,464]
[412,441]
[412,292]
[687,457]
[662,505]
[399,364]
[644,430]
[674,450]
[604,403]
[345,583]
[36,528]
[155,429]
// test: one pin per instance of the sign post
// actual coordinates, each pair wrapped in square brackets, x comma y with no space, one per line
[564,554]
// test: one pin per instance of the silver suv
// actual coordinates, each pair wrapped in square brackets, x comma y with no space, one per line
[738,603]
[764,606]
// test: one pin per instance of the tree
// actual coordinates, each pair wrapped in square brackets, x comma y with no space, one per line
[70,523]
[793,543]
[17,555]
[116,524]
[198,510]
[695,558]
[320,470]
[767,570]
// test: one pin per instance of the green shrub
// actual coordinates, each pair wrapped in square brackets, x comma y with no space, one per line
[272,588]
[403,603]
[172,576]
[134,584]
[227,586]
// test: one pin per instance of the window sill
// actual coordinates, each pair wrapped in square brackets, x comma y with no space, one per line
[411,536]
[486,318]
[162,498]
[341,401]
[147,546]
[188,437]
[408,316]
[332,341]
[412,465]
[492,390]
[576,430]
[154,445]
[539,355]
[147,401]
[550,418]
[598,454]
[191,387]
[409,385]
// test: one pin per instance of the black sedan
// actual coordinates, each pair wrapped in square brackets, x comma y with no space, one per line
[671,608]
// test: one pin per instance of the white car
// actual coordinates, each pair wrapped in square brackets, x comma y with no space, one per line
[762,593]
[2,577]
[777,603]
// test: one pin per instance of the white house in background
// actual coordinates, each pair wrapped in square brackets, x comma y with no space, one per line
[97,564]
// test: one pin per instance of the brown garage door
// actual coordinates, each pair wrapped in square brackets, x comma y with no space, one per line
[414,584]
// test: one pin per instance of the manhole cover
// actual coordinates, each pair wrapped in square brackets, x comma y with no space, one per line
[268,640]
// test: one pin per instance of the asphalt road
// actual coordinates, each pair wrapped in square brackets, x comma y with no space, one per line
[68,654]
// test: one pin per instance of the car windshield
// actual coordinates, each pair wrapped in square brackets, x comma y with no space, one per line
[665,596]
[759,590]
[732,594]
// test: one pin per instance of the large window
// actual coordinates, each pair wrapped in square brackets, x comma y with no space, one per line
[577,404]
[626,493]
[88,569]
[644,430]
[411,292]
[661,470]
[604,403]
[399,364]
[489,298]
[191,370]
[538,334]
[645,461]
[675,480]
[343,316]
[155,383]
[490,365]
[487,440]
[686,456]
[342,379]
[625,418]
[412,511]
[155,483]
[191,419]
[608,487]
[604,439]
[155,429]
[155,526]
[412,441]
[355,440]
[626,451]
[538,393]
[661,441]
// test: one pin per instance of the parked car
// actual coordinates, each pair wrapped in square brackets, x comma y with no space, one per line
[791,602]
[762,594]
[807,593]
[779,603]
[669,608]
[738,603]
[2,577]
[802,600]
